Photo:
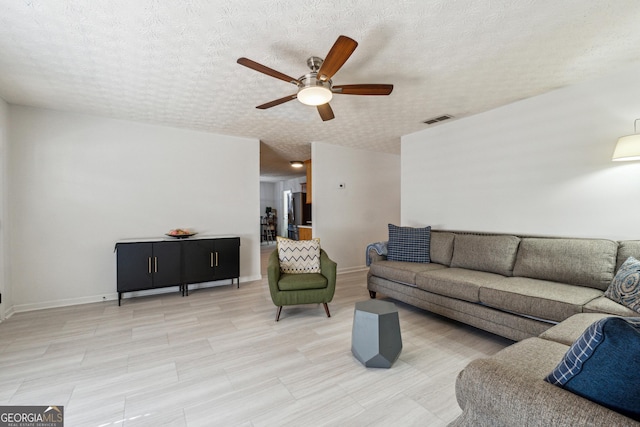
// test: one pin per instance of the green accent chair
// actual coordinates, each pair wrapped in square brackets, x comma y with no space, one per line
[307,288]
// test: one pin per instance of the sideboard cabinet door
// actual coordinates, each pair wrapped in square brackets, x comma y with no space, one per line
[146,265]
[166,264]
[206,260]
[227,260]
[198,257]
[134,266]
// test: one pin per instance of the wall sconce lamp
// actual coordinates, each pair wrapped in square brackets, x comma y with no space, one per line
[628,147]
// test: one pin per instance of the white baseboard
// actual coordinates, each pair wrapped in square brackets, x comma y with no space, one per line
[351,269]
[7,314]
[250,279]
[21,308]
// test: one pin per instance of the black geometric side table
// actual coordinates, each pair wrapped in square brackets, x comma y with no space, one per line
[375,339]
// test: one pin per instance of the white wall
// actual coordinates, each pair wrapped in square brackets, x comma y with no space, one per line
[294,184]
[5,290]
[538,166]
[348,219]
[268,197]
[80,183]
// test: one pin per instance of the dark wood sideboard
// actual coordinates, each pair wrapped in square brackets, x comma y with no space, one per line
[144,264]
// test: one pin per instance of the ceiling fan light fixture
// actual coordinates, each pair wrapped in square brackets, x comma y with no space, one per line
[316,88]
[315,92]
[296,163]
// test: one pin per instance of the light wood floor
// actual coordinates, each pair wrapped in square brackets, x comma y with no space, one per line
[217,357]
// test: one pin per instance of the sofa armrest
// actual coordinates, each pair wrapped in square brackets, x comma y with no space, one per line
[493,393]
[273,271]
[375,252]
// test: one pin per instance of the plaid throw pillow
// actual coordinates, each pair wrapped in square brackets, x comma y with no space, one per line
[409,244]
[299,256]
[602,365]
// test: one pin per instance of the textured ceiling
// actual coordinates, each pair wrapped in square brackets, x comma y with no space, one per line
[174,62]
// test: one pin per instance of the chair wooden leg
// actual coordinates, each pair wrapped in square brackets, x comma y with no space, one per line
[326,309]
[278,313]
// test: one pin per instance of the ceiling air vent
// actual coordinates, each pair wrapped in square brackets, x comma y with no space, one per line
[438,119]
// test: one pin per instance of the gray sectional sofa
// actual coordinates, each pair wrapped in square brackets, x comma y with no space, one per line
[541,291]
[507,389]
[513,286]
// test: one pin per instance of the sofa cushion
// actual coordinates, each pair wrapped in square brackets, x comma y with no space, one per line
[583,262]
[625,286]
[409,244]
[403,272]
[454,282]
[441,247]
[538,298]
[627,248]
[602,365]
[605,305]
[493,254]
[568,331]
[299,256]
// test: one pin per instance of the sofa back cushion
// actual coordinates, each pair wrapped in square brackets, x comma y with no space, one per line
[627,248]
[582,262]
[490,253]
[441,247]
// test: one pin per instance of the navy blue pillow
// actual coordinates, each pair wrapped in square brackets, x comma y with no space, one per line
[409,244]
[603,365]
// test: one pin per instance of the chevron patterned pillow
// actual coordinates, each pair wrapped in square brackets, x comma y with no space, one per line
[299,256]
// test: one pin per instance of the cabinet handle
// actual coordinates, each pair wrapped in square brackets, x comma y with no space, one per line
[155,264]
[211,259]
[149,265]
[216,259]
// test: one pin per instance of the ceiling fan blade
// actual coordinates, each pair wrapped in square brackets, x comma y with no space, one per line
[326,113]
[366,89]
[337,56]
[277,102]
[266,70]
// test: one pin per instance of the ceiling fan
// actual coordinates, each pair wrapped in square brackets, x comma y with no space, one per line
[316,88]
